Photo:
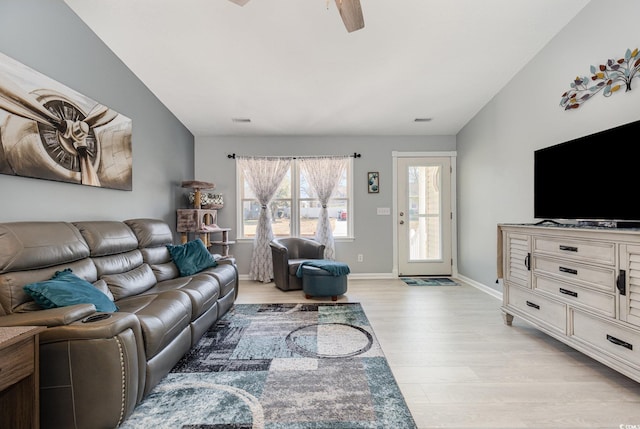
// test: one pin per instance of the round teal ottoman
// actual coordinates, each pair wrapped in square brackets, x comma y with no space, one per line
[319,282]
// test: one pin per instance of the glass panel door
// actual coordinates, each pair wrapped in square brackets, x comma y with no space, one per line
[424,216]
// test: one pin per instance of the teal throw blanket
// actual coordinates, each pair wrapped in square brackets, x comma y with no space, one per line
[335,268]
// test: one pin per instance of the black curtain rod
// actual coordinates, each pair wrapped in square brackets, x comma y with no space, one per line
[355,155]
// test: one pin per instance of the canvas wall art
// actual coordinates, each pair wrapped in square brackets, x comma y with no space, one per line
[49,131]
[373,182]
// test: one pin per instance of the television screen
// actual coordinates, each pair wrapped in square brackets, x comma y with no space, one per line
[596,177]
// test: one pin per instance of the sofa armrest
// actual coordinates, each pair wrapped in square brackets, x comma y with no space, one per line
[227,260]
[85,329]
[51,317]
[89,363]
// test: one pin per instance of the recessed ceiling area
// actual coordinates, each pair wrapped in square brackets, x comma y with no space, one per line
[293,69]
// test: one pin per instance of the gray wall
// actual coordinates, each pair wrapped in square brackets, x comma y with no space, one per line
[495,149]
[48,37]
[373,233]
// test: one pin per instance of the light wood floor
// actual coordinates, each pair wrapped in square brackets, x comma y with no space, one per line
[459,366]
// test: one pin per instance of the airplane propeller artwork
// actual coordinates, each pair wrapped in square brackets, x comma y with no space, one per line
[71,126]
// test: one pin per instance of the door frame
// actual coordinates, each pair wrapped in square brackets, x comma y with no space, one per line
[454,208]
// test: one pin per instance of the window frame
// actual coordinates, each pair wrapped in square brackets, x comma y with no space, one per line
[294,203]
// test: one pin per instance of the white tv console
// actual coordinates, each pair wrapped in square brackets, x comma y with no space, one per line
[580,285]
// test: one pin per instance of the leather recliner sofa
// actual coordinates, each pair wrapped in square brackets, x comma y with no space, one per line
[95,370]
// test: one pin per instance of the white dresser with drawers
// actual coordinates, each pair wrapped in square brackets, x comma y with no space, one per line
[580,285]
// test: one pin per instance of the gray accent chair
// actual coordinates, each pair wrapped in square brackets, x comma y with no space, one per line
[287,255]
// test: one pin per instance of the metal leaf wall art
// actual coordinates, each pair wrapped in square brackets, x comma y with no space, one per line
[608,78]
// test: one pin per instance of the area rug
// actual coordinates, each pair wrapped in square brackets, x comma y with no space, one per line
[280,366]
[429,281]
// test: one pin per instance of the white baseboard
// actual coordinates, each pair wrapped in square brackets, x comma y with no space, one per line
[355,276]
[387,276]
[484,288]
[372,276]
[245,277]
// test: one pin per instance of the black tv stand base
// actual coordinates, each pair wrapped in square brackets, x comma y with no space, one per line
[546,221]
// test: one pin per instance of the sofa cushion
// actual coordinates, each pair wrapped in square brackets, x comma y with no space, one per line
[156,255]
[65,289]
[159,259]
[203,291]
[131,282]
[192,257]
[162,317]
[226,276]
[150,232]
[13,298]
[31,245]
[101,285]
[107,237]
[166,271]
[118,263]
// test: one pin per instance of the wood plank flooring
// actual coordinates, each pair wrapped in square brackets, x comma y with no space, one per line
[459,366]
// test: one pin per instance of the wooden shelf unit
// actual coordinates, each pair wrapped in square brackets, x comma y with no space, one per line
[203,223]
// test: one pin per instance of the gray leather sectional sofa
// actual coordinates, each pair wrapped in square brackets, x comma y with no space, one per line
[95,367]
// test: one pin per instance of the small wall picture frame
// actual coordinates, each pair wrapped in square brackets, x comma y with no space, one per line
[373,182]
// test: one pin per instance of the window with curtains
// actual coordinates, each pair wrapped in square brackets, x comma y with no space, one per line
[294,210]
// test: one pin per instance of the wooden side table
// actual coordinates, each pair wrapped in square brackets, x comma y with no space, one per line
[19,377]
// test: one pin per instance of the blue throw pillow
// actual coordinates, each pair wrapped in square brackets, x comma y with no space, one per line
[192,257]
[64,289]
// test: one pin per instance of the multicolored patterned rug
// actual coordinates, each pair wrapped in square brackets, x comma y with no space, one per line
[280,366]
[429,281]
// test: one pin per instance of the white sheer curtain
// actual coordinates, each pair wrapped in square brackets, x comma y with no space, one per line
[323,174]
[264,176]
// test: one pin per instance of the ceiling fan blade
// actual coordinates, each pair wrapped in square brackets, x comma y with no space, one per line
[351,13]
[240,2]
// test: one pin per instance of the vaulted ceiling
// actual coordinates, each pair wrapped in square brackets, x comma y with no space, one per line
[291,68]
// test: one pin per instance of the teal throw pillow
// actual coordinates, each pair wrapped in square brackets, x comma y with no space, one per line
[191,257]
[64,289]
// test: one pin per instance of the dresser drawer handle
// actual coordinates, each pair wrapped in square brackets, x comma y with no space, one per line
[618,342]
[568,270]
[568,248]
[621,283]
[532,305]
[569,292]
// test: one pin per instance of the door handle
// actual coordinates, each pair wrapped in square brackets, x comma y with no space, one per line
[401,222]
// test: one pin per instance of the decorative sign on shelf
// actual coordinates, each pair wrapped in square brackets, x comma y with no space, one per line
[608,78]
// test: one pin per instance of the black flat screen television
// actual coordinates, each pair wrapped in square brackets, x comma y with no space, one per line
[596,177]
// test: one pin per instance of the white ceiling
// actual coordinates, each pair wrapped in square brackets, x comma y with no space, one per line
[292,68]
